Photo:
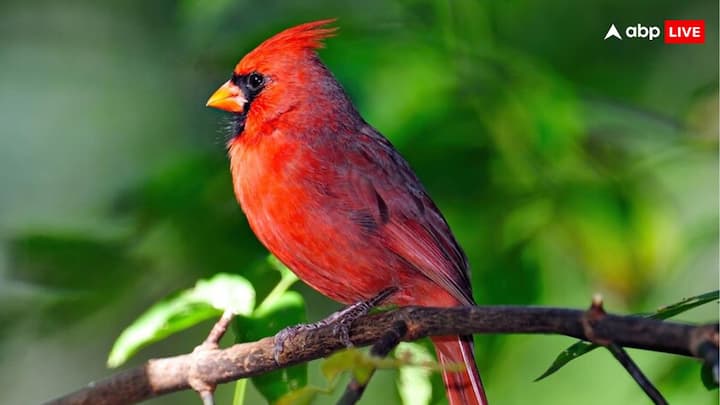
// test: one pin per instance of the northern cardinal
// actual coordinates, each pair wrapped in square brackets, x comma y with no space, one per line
[331,197]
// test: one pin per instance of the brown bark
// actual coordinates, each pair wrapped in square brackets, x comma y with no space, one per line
[213,366]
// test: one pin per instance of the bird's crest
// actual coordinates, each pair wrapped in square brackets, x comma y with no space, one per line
[308,36]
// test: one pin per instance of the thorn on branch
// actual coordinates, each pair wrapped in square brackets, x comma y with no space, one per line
[595,313]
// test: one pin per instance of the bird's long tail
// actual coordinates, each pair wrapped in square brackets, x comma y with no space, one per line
[462,386]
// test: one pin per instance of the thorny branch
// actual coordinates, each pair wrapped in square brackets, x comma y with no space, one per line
[597,312]
[215,366]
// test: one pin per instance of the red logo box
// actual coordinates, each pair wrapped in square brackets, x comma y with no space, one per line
[684,31]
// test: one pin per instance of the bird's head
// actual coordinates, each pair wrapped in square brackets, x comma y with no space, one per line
[280,74]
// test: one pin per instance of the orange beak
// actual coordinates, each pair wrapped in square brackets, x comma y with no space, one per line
[228,97]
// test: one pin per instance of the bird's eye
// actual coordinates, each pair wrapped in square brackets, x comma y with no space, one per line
[255,81]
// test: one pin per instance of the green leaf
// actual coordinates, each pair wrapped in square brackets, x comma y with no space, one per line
[571,353]
[688,303]
[359,363]
[303,396]
[271,316]
[290,306]
[225,292]
[208,299]
[414,385]
[580,348]
[240,390]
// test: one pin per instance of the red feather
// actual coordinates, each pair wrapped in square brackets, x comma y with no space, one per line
[333,200]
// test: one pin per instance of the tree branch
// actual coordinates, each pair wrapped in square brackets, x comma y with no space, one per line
[162,376]
[597,312]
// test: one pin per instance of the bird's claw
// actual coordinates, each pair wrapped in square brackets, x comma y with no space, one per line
[284,335]
[342,331]
[340,321]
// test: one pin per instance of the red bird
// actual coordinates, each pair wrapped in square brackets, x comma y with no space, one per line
[331,197]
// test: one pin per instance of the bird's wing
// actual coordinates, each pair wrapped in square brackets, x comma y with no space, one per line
[408,221]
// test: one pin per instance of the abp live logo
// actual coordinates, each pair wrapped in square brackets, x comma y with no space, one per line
[676,32]
[684,31]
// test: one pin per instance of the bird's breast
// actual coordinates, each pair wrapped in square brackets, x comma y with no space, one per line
[296,203]
[266,180]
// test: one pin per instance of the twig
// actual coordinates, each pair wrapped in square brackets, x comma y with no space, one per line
[196,378]
[219,329]
[162,376]
[207,398]
[624,358]
[381,348]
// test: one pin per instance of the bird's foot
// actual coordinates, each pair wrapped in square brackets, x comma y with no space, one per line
[340,321]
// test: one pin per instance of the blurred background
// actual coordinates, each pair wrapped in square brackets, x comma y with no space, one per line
[565,164]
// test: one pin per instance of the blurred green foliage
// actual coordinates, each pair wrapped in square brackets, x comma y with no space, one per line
[565,164]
